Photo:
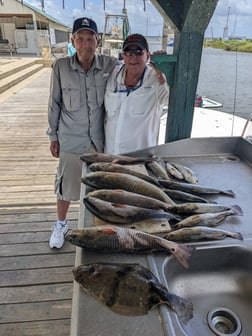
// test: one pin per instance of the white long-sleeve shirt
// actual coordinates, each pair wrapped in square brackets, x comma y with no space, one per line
[132,118]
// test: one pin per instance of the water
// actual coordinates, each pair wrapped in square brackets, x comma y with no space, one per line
[226,77]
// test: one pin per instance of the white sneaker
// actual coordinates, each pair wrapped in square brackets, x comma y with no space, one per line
[57,236]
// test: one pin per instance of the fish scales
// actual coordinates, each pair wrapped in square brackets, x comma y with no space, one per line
[125,214]
[184,196]
[157,169]
[187,173]
[191,234]
[128,197]
[205,219]
[117,239]
[117,168]
[197,208]
[195,188]
[121,159]
[173,172]
[129,289]
[108,180]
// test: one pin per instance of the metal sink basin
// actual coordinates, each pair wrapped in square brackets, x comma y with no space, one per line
[219,284]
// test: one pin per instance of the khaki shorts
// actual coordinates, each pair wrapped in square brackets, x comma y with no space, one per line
[67,181]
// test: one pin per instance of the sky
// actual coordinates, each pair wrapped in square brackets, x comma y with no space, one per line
[236,14]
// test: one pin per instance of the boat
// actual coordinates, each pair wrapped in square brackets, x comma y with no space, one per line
[205,102]
[116,29]
[212,123]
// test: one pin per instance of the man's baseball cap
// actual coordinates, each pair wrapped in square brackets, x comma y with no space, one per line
[136,39]
[84,23]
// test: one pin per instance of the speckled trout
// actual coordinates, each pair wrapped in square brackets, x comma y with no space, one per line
[195,188]
[207,219]
[191,234]
[199,208]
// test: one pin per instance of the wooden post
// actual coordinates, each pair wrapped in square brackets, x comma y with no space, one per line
[189,20]
[182,93]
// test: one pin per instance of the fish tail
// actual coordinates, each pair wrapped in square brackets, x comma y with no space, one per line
[237,210]
[228,193]
[182,307]
[180,251]
[236,235]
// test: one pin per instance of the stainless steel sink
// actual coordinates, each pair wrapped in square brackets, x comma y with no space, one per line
[218,283]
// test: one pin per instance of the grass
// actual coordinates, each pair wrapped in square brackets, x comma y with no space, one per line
[230,45]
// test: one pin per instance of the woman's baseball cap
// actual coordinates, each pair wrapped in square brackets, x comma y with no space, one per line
[136,39]
[84,23]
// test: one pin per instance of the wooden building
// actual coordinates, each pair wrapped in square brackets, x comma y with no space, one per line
[29,28]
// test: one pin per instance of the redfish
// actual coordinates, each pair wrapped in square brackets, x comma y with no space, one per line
[120,159]
[108,180]
[108,238]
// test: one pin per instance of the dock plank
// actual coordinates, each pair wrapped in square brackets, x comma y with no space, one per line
[39,328]
[36,281]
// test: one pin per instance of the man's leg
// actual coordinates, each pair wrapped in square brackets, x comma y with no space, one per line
[62,208]
[67,188]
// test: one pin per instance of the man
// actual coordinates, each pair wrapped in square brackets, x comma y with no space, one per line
[76,115]
[134,100]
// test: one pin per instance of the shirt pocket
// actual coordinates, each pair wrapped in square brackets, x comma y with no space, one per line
[142,101]
[71,99]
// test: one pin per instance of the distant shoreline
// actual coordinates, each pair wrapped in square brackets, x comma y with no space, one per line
[230,45]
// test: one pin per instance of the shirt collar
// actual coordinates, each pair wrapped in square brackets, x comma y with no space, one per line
[96,64]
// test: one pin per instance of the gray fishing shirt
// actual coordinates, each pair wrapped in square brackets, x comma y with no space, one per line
[75,110]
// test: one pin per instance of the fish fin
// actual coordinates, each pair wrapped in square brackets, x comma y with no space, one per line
[181,252]
[228,193]
[182,307]
[237,210]
[237,235]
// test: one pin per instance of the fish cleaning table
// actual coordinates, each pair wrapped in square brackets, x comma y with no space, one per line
[224,163]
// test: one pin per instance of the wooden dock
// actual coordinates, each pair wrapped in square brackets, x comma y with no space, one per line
[36,282]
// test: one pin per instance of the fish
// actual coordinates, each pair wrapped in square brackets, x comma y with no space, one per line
[200,208]
[117,168]
[184,196]
[125,214]
[194,188]
[128,197]
[187,173]
[156,169]
[114,239]
[120,159]
[206,219]
[108,180]
[174,172]
[199,233]
[129,289]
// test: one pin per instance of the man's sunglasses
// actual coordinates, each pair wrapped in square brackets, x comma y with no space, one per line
[130,52]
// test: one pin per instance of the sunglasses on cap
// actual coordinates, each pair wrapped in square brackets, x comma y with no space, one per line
[136,52]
